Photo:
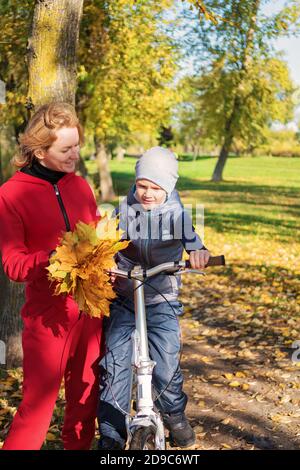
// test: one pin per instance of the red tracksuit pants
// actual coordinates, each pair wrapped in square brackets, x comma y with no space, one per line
[69,349]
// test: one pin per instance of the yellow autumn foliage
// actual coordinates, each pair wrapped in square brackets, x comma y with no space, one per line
[79,266]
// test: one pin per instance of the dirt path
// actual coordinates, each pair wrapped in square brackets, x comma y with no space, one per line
[244,389]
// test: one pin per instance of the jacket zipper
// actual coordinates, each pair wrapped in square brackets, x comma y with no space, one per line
[62,207]
[148,241]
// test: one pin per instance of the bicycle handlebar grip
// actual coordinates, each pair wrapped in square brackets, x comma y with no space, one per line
[216,261]
[213,261]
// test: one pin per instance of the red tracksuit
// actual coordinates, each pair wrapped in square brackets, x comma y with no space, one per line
[57,341]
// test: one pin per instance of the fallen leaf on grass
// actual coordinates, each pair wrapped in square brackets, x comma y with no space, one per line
[226,421]
[201,403]
[260,398]
[50,437]
[282,419]
[229,376]
[241,375]
[234,384]
[226,446]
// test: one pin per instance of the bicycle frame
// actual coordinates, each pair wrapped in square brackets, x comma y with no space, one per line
[146,416]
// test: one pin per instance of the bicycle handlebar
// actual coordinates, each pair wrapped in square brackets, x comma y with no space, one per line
[167,267]
[213,261]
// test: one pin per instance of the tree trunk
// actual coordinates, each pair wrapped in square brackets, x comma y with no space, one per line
[11,301]
[1,164]
[52,51]
[11,295]
[195,152]
[82,168]
[246,59]
[218,171]
[120,154]
[52,77]
[106,186]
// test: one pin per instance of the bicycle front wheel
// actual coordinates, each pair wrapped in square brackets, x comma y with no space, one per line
[143,438]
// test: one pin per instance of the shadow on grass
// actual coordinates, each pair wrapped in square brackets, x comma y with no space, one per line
[123,180]
[251,224]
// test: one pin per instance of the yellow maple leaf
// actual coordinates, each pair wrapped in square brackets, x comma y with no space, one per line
[81,261]
[234,384]
[107,229]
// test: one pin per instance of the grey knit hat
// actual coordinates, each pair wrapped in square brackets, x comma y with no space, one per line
[159,165]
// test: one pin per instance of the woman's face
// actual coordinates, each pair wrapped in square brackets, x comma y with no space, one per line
[149,194]
[63,153]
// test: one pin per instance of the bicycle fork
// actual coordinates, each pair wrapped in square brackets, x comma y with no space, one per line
[145,415]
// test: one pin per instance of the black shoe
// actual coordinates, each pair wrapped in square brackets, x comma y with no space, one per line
[108,443]
[181,432]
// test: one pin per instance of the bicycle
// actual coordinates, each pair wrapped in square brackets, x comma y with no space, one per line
[145,430]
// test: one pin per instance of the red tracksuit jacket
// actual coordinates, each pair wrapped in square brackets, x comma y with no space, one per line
[31,223]
[57,342]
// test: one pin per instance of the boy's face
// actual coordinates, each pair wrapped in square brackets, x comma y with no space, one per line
[149,194]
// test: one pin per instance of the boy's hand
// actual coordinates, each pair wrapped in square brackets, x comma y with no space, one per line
[199,259]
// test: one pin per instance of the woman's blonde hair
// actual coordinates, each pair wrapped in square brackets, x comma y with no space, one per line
[40,131]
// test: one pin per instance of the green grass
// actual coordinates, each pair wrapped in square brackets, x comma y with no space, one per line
[259,197]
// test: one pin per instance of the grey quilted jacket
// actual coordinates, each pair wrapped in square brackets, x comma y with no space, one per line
[157,236]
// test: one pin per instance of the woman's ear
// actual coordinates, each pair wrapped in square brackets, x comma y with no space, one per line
[39,154]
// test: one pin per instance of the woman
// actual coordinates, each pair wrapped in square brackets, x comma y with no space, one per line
[41,201]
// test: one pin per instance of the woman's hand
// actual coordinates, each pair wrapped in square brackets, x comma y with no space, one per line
[199,259]
[52,253]
[113,277]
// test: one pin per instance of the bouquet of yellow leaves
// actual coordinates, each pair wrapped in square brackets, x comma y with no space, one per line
[80,263]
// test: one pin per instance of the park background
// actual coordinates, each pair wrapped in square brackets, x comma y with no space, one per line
[207,79]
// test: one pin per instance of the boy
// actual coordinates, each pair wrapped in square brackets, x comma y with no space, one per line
[157,225]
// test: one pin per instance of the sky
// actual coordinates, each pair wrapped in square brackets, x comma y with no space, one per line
[291,49]
[290,46]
